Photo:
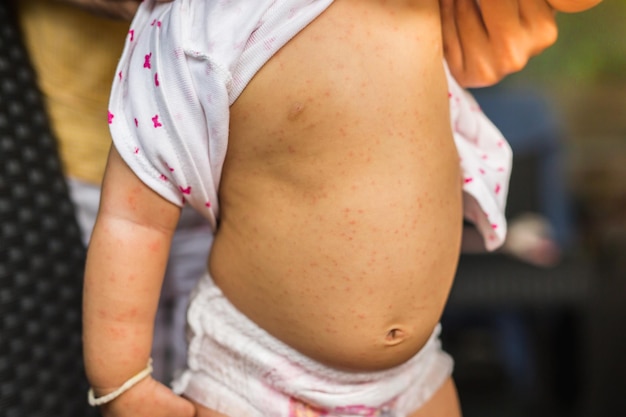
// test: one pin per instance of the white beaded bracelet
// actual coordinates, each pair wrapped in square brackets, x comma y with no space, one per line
[93,401]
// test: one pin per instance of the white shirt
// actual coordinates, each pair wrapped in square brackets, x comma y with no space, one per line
[186,62]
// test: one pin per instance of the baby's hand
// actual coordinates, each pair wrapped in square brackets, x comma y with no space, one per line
[118,9]
[148,398]
[486,40]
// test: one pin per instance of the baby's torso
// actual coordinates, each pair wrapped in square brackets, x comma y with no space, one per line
[340,195]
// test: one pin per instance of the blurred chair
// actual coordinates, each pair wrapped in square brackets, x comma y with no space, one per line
[41,254]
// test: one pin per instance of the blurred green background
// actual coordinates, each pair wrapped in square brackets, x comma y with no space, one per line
[591,48]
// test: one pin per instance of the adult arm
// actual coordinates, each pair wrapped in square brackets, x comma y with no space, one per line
[126,262]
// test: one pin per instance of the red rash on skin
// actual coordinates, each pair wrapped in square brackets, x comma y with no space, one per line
[117,332]
[154,246]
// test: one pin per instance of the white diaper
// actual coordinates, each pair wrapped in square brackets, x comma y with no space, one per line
[238,369]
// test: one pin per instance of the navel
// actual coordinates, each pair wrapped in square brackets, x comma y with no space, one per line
[395,336]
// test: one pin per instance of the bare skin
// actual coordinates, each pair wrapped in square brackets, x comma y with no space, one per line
[355,184]
[354,181]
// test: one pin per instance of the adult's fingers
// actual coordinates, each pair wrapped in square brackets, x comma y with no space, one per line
[450,36]
[499,15]
[478,58]
[485,40]
[516,31]
[539,17]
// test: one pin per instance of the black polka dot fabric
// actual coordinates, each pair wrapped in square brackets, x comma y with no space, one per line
[41,255]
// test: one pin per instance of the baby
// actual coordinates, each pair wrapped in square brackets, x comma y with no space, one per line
[336,158]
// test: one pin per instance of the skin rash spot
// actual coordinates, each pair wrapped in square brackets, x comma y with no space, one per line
[295,111]
[154,246]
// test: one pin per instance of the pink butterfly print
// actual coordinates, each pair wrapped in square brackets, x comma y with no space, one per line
[111,116]
[132,34]
[147,61]
[156,122]
[156,79]
[185,191]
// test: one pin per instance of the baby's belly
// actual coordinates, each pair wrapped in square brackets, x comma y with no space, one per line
[355,279]
[341,194]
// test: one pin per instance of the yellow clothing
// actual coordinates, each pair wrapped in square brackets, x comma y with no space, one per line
[75,55]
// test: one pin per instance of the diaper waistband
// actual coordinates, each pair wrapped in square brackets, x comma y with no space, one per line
[233,322]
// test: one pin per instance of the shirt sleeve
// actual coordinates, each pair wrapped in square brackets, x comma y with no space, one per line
[157,121]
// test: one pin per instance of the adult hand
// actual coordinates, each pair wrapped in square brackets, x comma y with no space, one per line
[118,9]
[486,40]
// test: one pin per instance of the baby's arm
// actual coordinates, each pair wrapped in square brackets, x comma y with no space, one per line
[125,266]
